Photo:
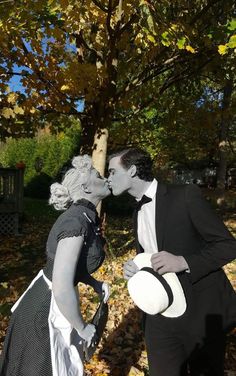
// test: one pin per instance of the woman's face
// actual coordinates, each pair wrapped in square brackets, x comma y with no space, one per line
[98,185]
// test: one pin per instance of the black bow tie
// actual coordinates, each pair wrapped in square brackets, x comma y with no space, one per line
[144,200]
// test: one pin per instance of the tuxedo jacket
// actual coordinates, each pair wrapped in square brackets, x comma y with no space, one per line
[187,226]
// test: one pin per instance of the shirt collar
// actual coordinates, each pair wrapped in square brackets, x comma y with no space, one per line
[152,189]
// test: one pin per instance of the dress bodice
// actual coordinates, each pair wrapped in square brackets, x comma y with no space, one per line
[80,219]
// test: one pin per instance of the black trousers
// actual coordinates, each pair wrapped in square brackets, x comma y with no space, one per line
[175,348]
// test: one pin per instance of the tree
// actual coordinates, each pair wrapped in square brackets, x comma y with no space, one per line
[116,57]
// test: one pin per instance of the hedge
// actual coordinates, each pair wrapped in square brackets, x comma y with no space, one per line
[53,150]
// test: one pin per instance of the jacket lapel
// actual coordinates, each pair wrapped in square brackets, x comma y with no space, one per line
[161,213]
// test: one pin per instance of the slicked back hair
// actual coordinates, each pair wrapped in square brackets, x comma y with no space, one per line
[138,157]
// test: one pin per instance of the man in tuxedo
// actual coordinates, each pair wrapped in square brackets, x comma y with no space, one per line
[178,227]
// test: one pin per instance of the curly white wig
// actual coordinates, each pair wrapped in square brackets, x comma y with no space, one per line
[62,195]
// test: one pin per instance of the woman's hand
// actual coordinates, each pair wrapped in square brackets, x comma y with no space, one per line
[88,333]
[103,290]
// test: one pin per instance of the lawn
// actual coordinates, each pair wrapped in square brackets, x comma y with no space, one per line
[122,350]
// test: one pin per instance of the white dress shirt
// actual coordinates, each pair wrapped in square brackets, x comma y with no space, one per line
[146,221]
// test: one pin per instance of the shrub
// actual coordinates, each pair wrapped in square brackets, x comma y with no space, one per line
[53,150]
[38,187]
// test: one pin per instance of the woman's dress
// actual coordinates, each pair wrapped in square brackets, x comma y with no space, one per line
[37,342]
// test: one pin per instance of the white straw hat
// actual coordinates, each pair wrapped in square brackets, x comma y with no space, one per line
[154,293]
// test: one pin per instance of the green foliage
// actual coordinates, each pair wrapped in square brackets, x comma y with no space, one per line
[53,150]
[182,128]
[15,151]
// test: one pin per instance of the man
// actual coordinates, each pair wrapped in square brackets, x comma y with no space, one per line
[177,226]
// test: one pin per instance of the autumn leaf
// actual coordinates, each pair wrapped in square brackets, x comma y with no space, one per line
[135,372]
[222,49]
[8,113]
[151,38]
[190,49]
[12,97]
[18,110]
[65,88]
[232,41]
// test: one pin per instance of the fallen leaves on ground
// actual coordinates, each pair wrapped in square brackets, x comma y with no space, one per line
[121,351]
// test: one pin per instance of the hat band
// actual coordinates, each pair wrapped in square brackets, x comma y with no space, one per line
[163,282]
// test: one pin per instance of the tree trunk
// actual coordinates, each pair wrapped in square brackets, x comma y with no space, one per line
[224,126]
[97,116]
[100,150]
[94,137]
[87,135]
[99,154]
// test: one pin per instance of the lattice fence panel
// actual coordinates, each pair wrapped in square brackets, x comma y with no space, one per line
[11,199]
[9,223]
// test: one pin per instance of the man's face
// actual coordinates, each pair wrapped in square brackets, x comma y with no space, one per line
[119,178]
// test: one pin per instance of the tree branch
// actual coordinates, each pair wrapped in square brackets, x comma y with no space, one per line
[80,41]
[100,6]
[73,111]
[203,11]
[6,1]
[182,75]
[132,19]
[149,73]
[10,73]
[108,20]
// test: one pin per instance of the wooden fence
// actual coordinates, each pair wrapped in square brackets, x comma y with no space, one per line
[11,199]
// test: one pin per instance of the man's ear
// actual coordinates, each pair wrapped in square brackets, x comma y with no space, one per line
[132,170]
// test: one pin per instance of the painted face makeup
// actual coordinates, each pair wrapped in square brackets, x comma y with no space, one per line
[119,179]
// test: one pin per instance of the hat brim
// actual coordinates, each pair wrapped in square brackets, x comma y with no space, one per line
[147,291]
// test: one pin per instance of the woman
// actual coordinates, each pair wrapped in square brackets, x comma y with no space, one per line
[39,338]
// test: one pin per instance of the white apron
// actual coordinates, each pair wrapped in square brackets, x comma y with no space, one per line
[65,358]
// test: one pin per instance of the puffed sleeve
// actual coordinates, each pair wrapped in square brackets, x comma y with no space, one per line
[72,226]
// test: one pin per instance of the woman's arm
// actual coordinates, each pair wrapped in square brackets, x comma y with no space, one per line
[65,293]
[101,288]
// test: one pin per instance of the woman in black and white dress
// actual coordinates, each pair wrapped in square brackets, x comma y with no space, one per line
[38,340]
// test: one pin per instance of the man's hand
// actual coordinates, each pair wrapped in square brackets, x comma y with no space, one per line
[165,262]
[129,269]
